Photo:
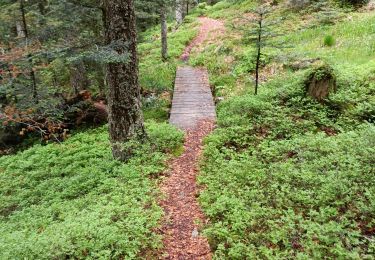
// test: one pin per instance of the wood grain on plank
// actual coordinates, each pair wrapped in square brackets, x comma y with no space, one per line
[192,98]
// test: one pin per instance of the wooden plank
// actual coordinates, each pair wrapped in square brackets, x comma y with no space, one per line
[192,98]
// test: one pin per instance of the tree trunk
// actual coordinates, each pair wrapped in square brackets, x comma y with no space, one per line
[78,77]
[29,55]
[321,82]
[179,12]
[20,30]
[42,6]
[124,107]
[164,29]
[259,42]
[42,10]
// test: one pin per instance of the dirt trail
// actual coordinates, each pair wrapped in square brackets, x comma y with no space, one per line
[182,212]
[183,216]
[209,30]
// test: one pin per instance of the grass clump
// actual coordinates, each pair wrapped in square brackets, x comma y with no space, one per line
[329,41]
[74,201]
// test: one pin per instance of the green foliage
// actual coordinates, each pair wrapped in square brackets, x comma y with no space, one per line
[65,41]
[329,41]
[156,76]
[202,5]
[156,109]
[284,176]
[282,181]
[74,201]
[355,3]
[310,197]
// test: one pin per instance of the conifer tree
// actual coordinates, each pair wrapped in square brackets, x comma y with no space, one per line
[63,54]
[124,106]
[25,34]
[259,34]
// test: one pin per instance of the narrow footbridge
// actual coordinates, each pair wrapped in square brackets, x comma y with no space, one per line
[192,98]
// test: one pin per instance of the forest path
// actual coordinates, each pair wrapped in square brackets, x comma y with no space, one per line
[209,30]
[193,110]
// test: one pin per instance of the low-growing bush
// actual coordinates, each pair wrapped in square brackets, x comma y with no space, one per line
[72,200]
[309,197]
[329,41]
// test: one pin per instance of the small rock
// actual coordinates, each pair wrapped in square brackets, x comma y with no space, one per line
[195,233]
[219,99]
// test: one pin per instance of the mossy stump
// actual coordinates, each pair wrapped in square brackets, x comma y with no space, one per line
[321,82]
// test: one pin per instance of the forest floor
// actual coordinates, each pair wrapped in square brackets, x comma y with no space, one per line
[183,216]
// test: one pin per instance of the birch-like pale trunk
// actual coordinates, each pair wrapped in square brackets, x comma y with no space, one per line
[179,11]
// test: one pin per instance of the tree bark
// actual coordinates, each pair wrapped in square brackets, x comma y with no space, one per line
[164,29]
[259,42]
[78,77]
[124,107]
[29,55]
[42,6]
[179,12]
[321,82]
[20,30]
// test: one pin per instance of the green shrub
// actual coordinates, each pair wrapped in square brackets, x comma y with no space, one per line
[329,41]
[310,197]
[72,200]
[355,3]
[202,5]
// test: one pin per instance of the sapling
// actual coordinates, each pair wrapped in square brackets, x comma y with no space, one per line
[259,34]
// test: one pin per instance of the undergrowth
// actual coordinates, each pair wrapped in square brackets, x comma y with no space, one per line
[286,176]
[73,200]
[310,197]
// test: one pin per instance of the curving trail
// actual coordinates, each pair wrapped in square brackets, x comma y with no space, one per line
[193,110]
[209,29]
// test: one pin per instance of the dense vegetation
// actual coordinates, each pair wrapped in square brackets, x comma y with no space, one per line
[74,200]
[53,80]
[285,175]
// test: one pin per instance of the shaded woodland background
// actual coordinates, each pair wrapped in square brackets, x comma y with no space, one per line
[52,64]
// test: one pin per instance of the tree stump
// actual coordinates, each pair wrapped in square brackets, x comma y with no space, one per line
[321,82]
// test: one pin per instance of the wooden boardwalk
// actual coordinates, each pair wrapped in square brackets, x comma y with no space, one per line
[192,98]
